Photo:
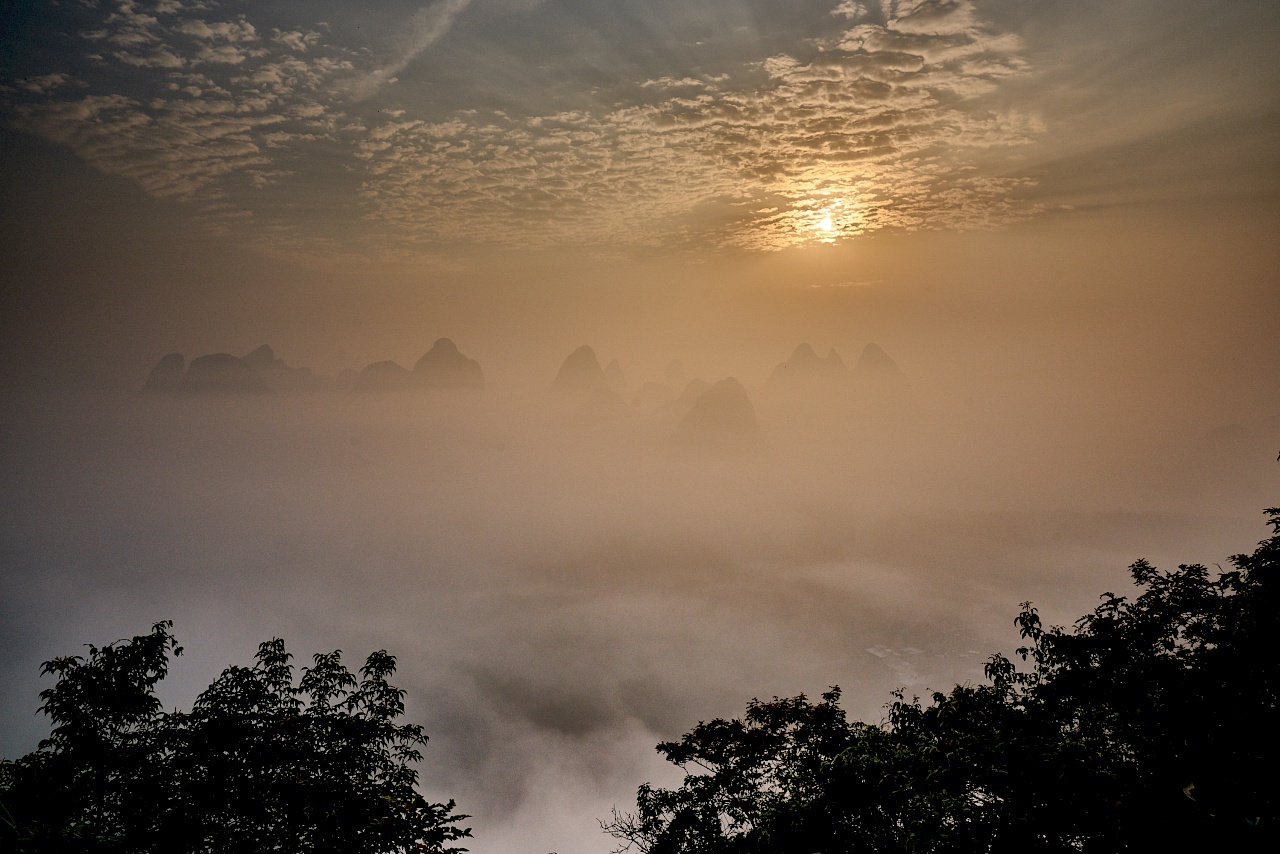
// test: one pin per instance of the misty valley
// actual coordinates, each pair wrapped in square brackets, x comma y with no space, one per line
[661,426]
[574,569]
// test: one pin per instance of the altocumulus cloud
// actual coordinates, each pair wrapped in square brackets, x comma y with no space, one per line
[877,129]
[880,120]
[194,108]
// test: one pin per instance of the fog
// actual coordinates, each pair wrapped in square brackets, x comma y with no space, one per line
[565,585]
[1056,221]
[564,581]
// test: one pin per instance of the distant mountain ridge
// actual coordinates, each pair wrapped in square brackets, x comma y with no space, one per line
[580,374]
[875,386]
[721,418]
[805,367]
[261,371]
[444,366]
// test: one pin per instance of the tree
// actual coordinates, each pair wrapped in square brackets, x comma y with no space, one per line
[258,764]
[1150,724]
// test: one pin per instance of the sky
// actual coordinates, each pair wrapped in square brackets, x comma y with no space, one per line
[1059,219]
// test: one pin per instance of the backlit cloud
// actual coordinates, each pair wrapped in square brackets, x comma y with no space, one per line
[877,130]
[190,106]
[880,120]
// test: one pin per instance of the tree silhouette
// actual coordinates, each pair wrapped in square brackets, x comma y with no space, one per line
[258,764]
[1149,725]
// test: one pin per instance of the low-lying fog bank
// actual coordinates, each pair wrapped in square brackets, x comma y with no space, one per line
[564,591]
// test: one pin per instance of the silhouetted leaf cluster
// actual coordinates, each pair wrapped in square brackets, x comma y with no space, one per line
[258,764]
[1149,725]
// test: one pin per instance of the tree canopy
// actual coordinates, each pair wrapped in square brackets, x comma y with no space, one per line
[1150,724]
[258,764]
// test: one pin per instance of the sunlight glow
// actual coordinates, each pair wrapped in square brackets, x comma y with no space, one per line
[825,214]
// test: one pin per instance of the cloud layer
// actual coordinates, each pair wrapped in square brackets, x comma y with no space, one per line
[880,120]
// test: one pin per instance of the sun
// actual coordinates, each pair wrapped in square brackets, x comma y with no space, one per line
[826,224]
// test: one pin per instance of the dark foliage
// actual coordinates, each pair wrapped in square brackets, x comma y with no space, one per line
[258,764]
[1149,725]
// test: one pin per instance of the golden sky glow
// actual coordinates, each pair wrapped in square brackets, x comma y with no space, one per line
[437,127]
[892,105]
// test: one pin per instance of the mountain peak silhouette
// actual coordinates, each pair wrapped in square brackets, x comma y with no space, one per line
[722,417]
[168,374]
[803,355]
[383,376]
[444,366]
[221,373]
[260,358]
[805,369]
[880,384]
[613,374]
[580,373]
[875,359]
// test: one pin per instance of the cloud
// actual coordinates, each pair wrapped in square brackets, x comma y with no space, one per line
[231,31]
[933,17]
[192,105]
[225,54]
[872,125]
[295,40]
[870,133]
[170,152]
[42,84]
[426,27]
[159,58]
[850,9]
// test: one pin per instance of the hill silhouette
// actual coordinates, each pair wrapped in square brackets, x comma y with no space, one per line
[383,376]
[221,373]
[444,367]
[804,369]
[260,370]
[721,417]
[879,383]
[167,375]
[580,374]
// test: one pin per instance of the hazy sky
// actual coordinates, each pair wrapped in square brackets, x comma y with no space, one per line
[347,182]
[412,132]
[1059,217]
